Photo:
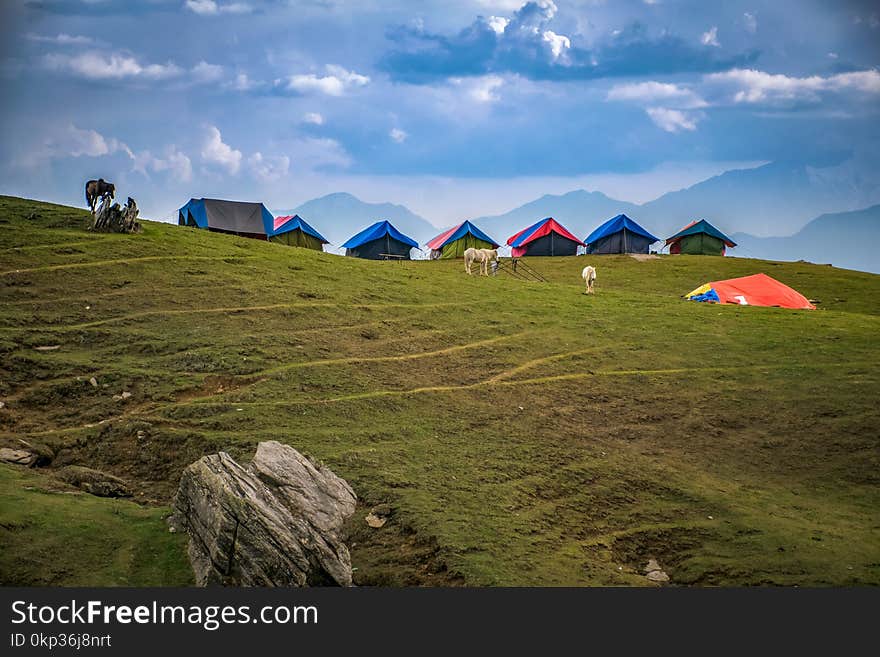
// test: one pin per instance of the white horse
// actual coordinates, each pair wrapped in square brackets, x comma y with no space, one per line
[589,276]
[482,256]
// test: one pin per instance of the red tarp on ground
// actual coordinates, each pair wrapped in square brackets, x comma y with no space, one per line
[759,290]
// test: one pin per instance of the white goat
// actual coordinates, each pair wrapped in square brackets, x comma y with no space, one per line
[589,276]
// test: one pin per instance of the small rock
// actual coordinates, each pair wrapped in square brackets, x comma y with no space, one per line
[42,455]
[94,382]
[95,482]
[52,347]
[17,456]
[652,566]
[375,521]
[658,576]
[2,404]
[172,530]
[126,394]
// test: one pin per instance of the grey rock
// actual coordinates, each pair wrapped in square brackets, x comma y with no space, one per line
[16,456]
[276,522]
[658,576]
[95,482]
[652,566]
[94,382]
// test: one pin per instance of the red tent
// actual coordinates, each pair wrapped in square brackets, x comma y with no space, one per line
[755,290]
[541,239]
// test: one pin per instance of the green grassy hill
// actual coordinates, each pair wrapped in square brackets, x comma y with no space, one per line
[523,433]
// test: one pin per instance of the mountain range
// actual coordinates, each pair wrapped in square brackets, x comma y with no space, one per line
[772,211]
[340,215]
[844,239]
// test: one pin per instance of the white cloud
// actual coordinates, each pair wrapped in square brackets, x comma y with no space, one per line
[480,89]
[507,5]
[672,120]
[397,135]
[69,141]
[652,92]
[269,169]
[205,72]
[313,117]
[710,38]
[336,83]
[214,151]
[173,161]
[212,8]
[483,88]
[498,24]
[311,153]
[751,22]
[558,43]
[102,66]
[241,83]
[61,39]
[751,86]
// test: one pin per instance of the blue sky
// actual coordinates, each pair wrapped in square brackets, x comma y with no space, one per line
[456,108]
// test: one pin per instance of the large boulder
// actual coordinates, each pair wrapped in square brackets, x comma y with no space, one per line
[276,522]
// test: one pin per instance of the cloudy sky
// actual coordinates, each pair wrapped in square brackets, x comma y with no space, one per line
[455,108]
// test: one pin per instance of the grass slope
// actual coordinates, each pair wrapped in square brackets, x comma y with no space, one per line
[523,433]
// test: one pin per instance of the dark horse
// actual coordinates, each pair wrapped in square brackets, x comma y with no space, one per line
[97,190]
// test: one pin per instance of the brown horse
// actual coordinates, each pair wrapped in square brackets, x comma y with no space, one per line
[97,190]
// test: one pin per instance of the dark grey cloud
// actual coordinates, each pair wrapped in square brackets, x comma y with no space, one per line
[529,47]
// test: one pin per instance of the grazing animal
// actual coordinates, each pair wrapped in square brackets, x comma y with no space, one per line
[589,276]
[481,256]
[98,190]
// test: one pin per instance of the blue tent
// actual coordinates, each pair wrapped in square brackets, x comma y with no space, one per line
[619,235]
[378,241]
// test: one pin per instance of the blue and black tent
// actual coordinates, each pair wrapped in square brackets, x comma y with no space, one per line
[295,231]
[619,235]
[380,241]
[452,243]
[243,219]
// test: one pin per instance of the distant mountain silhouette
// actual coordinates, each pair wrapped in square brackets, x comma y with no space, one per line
[340,215]
[845,239]
[773,199]
[580,211]
[750,205]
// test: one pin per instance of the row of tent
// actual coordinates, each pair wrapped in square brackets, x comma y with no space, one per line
[545,238]
[550,238]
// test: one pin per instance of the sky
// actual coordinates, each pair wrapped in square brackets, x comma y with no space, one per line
[455,108]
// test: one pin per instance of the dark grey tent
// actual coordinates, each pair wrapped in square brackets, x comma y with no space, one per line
[235,217]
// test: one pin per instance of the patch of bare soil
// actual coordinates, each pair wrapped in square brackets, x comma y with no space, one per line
[394,555]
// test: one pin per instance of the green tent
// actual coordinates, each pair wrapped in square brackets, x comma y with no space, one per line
[294,231]
[455,241]
[699,238]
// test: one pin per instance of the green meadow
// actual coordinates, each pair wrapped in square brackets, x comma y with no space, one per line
[523,433]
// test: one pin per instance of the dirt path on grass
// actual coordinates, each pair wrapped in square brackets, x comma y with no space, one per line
[117,261]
